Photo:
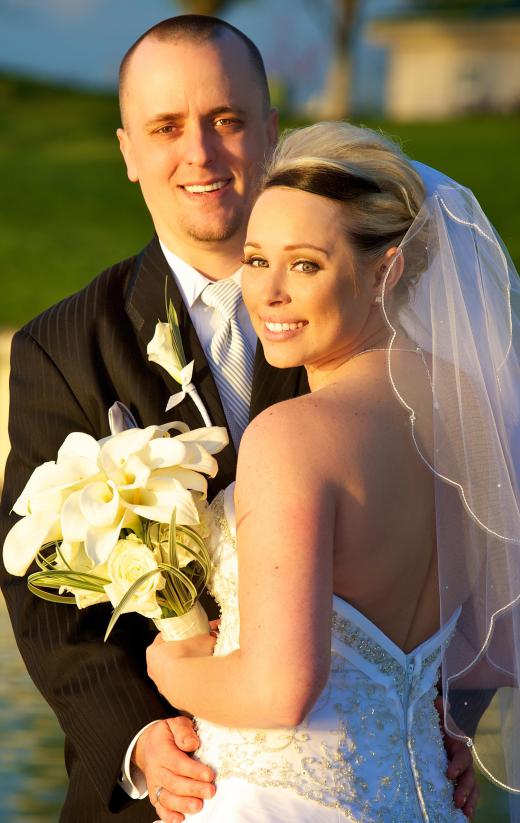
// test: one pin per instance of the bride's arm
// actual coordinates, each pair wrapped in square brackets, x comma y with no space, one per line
[285,520]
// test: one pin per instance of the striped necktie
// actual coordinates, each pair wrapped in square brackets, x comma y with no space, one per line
[230,355]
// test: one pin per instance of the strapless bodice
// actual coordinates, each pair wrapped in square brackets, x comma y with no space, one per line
[371,746]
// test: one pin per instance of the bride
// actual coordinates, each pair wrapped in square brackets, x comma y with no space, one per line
[374,523]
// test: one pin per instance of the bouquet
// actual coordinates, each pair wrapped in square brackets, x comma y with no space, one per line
[122,519]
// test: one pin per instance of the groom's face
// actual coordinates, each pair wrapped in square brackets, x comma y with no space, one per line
[196,131]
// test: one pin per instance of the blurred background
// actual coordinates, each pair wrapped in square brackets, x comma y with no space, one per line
[441,76]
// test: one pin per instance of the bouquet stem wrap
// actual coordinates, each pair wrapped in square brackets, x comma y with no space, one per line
[184,626]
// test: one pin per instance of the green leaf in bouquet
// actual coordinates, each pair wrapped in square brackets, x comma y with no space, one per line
[118,611]
[48,578]
[201,556]
[173,322]
[172,542]
[182,598]
[51,598]
[180,592]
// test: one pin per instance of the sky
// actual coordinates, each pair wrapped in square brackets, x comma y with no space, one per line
[81,42]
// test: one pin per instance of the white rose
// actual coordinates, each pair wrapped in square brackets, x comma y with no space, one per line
[130,560]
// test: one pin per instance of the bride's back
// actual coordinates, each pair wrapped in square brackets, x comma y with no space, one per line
[322,270]
[385,562]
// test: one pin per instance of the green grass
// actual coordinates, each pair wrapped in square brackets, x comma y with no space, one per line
[67,209]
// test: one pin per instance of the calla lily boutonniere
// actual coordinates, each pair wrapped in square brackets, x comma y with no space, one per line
[166,349]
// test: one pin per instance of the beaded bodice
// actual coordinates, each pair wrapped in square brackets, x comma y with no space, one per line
[371,746]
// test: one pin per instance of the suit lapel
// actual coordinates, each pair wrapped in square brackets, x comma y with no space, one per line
[272,385]
[145,305]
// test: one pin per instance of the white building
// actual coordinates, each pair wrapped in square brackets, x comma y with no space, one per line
[441,67]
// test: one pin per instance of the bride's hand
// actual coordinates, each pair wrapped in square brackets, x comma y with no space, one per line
[161,653]
[200,646]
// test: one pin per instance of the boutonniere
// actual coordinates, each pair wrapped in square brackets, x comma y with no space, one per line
[166,349]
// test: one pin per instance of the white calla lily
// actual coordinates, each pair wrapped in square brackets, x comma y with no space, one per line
[100,541]
[117,451]
[100,503]
[26,538]
[50,484]
[211,438]
[176,425]
[164,494]
[192,480]
[166,451]
[136,473]
[190,449]
[95,515]
[73,524]
[78,444]
[161,351]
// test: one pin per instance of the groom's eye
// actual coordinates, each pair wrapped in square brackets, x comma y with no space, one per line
[229,123]
[168,128]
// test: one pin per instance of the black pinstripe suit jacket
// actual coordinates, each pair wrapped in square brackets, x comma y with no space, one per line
[67,368]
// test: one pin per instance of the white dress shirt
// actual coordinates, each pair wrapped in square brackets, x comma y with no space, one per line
[191,283]
[206,321]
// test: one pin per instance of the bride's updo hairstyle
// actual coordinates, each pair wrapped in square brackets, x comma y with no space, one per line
[356,166]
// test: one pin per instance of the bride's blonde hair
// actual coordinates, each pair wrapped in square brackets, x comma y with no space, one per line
[356,166]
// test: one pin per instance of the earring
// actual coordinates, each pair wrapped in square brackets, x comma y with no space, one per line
[378,299]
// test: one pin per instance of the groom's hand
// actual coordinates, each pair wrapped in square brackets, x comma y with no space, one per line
[460,769]
[163,753]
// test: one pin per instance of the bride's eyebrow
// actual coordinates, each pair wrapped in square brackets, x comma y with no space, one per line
[302,246]
[294,247]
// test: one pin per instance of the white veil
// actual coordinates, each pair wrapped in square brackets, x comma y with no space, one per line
[458,302]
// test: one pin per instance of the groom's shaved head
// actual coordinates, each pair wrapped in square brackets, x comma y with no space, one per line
[196,29]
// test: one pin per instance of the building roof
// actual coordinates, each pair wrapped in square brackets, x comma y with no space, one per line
[455,9]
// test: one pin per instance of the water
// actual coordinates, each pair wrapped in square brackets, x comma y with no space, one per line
[32,774]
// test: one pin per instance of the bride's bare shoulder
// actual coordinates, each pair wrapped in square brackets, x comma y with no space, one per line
[285,416]
[352,413]
[278,434]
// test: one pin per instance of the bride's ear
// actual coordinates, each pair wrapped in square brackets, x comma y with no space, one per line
[388,272]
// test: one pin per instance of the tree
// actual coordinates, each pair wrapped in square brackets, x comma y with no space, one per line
[212,7]
[336,96]
[457,7]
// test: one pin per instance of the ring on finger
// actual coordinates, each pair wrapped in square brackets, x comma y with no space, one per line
[158,791]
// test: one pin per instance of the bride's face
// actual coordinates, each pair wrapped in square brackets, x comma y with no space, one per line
[299,281]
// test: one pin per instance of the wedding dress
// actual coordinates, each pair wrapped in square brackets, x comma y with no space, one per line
[371,748]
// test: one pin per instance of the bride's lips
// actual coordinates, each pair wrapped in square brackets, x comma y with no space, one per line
[278,330]
[204,189]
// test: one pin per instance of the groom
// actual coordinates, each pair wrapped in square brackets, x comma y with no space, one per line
[197,124]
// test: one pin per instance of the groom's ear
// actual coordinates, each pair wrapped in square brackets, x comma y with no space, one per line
[125,145]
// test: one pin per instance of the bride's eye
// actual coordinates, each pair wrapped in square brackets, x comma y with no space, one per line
[255,262]
[305,266]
